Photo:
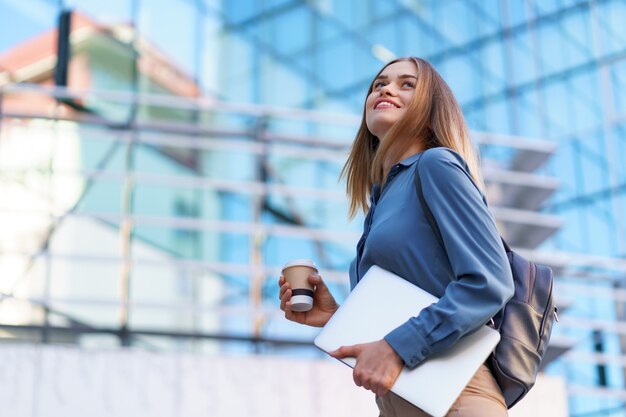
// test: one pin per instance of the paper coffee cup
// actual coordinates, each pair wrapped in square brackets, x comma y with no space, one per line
[297,273]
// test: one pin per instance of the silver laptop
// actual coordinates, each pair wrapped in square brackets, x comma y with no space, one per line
[381,302]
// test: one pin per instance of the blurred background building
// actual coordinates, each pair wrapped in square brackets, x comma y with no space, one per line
[160,160]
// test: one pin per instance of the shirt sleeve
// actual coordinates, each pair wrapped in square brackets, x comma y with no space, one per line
[483,282]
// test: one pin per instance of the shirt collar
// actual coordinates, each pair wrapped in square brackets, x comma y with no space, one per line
[407,162]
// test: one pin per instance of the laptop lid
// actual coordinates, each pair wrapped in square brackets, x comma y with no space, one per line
[383,301]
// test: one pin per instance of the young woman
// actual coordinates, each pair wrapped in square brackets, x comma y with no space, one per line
[411,116]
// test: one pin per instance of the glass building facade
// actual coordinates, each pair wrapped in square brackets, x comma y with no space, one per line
[153,183]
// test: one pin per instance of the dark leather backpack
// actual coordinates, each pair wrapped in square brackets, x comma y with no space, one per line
[525,322]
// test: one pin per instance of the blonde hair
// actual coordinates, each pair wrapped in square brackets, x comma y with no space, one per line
[433,117]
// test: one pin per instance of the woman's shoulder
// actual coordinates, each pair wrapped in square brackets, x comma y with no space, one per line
[442,158]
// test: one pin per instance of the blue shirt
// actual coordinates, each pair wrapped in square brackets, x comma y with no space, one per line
[471,275]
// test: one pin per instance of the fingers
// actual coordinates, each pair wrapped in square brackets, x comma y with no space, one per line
[363,378]
[285,304]
[284,293]
[283,288]
[285,297]
[317,280]
[370,380]
[372,372]
[346,352]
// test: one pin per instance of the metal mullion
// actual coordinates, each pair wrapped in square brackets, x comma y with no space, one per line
[219,268]
[171,306]
[609,111]
[81,330]
[175,129]
[594,391]
[558,260]
[189,142]
[209,184]
[596,291]
[512,141]
[185,103]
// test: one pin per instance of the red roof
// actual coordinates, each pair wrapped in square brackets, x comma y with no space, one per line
[41,46]
[44,46]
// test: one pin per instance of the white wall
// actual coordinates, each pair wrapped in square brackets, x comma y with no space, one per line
[55,381]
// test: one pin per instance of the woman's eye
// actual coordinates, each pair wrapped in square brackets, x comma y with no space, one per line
[409,84]
[378,84]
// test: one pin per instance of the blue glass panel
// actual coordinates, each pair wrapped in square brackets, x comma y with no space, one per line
[271,4]
[497,117]
[619,143]
[385,34]
[415,39]
[491,10]
[562,164]
[336,64]
[486,15]
[619,208]
[618,88]
[381,9]
[365,67]
[578,37]
[114,11]
[214,7]
[593,164]
[456,21]
[288,32]
[326,30]
[598,218]
[569,238]
[494,74]
[351,14]
[586,100]
[516,12]
[544,7]
[572,49]
[475,119]
[522,58]
[208,51]
[306,62]
[437,43]
[557,109]
[236,78]
[178,45]
[551,58]
[462,77]
[528,115]
[282,86]
[612,17]
[240,10]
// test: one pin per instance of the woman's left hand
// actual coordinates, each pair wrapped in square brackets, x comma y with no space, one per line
[377,365]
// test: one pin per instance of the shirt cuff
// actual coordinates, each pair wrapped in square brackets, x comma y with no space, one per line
[409,344]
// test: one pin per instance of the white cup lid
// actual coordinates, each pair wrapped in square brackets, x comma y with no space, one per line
[300,262]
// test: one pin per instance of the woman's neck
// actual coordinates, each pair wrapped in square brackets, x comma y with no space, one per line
[412,150]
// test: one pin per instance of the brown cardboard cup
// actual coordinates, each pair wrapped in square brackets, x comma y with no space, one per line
[297,273]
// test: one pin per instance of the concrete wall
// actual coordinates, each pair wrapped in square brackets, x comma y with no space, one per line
[56,381]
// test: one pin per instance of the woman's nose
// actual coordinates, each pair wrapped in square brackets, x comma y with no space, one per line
[387,90]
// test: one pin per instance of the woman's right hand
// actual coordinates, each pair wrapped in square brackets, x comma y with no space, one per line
[324,304]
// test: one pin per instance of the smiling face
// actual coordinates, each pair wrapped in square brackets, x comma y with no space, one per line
[392,93]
